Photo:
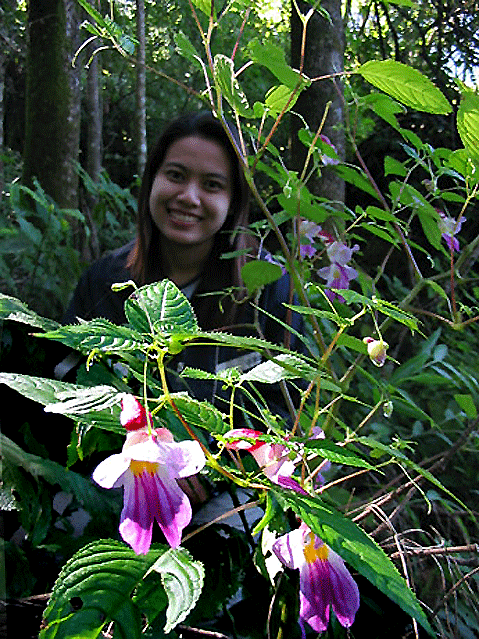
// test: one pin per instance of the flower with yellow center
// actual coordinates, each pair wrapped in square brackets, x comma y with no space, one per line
[324,580]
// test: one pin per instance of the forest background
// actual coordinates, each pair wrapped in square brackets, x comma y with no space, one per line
[73,143]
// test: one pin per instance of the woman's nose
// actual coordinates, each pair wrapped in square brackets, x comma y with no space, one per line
[190,193]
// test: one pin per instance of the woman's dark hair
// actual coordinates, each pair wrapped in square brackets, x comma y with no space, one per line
[145,261]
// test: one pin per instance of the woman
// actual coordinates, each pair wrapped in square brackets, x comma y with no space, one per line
[193,207]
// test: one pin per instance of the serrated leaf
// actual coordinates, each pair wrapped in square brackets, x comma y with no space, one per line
[100,580]
[258,273]
[287,366]
[356,548]
[468,123]
[229,86]
[85,400]
[383,306]
[50,391]
[13,309]
[98,334]
[161,308]
[182,580]
[185,48]
[196,413]
[406,84]
[337,454]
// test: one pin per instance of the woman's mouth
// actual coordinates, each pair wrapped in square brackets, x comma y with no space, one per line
[182,217]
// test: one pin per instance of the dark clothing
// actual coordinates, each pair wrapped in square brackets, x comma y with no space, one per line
[93,298]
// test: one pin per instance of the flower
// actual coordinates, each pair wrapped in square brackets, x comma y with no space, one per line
[338,274]
[324,580]
[147,467]
[449,227]
[376,350]
[308,230]
[273,459]
[331,155]
[133,414]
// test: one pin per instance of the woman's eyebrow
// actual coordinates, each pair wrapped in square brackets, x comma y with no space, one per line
[209,174]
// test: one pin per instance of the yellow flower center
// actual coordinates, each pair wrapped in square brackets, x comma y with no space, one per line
[138,467]
[312,554]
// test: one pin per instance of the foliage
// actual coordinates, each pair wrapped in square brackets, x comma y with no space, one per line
[396,438]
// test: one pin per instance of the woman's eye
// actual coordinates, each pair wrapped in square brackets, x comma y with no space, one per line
[213,185]
[174,174]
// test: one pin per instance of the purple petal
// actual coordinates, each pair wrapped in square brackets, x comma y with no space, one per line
[289,549]
[289,482]
[171,508]
[345,592]
[315,595]
[136,521]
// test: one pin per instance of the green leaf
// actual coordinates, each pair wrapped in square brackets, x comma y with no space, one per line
[97,586]
[13,309]
[383,306]
[98,334]
[84,491]
[466,402]
[286,367]
[272,57]
[105,409]
[337,454]
[161,308]
[229,86]
[405,84]
[356,548]
[258,273]
[278,98]
[182,580]
[185,48]
[468,123]
[196,413]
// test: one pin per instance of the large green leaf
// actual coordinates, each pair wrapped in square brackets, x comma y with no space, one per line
[356,547]
[468,123]
[97,586]
[100,335]
[98,406]
[405,84]
[13,309]
[272,57]
[161,308]
[258,273]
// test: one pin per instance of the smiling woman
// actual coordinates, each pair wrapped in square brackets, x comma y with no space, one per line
[192,229]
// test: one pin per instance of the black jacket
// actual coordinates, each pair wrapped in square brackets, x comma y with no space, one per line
[93,298]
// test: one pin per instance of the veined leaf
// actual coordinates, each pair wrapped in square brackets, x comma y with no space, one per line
[272,57]
[196,413]
[13,309]
[229,86]
[356,548]
[468,123]
[98,334]
[51,391]
[96,587]
[279,98]
[258,273]
[406,84]
[182,580]
[337,454]
[161,308]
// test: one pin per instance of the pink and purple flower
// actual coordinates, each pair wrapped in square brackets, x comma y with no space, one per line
[338,274]
[148,468]
[324,580]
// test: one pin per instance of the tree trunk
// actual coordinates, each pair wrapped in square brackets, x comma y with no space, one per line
[52,100]
[324,55]
[141,87]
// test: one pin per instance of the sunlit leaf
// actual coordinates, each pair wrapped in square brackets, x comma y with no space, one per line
[258,273]
[468,123]
[406,84]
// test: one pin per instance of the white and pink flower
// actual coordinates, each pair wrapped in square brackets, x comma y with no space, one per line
[148,468]
[324,580]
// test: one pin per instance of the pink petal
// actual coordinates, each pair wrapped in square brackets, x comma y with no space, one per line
[133,414]
[345,591]
[289,549]
[136,522]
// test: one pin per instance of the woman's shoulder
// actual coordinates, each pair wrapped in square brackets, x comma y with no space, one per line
[112,266]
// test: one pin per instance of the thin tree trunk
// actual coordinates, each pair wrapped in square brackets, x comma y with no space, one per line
[324,55]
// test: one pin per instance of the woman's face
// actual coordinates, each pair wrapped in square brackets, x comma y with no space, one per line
[191,194]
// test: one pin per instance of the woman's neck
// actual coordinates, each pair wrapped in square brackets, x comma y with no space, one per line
[183,263]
